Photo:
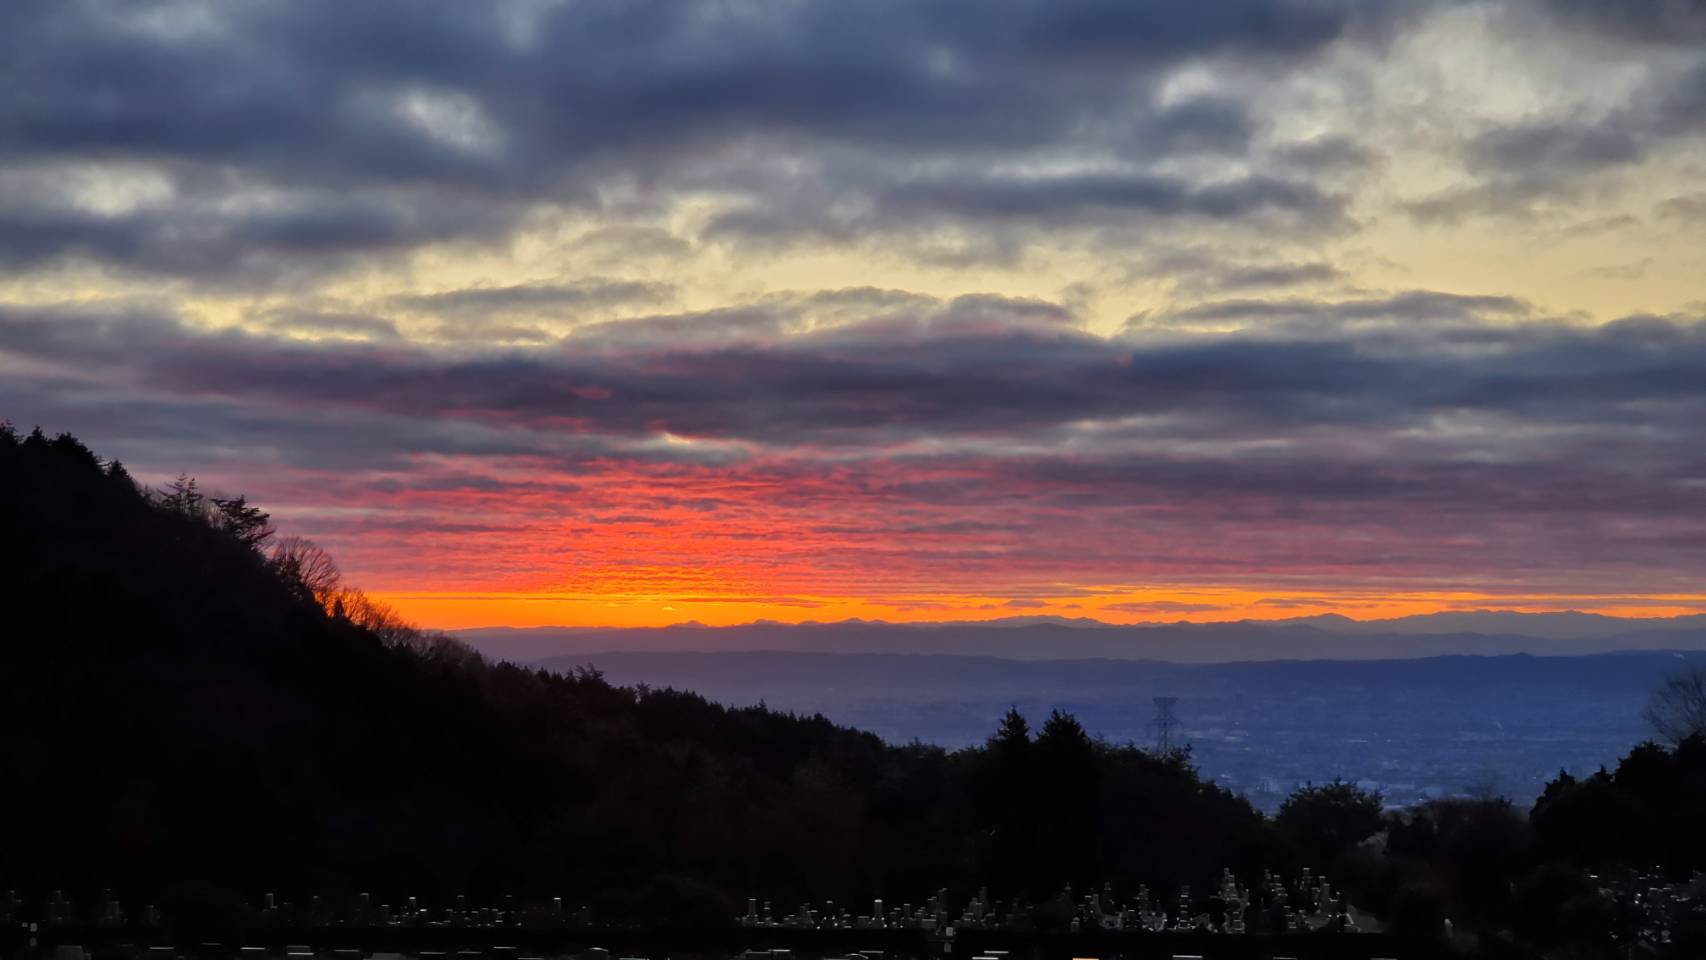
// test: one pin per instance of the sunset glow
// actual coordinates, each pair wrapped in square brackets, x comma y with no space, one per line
[645,313]
[539,609]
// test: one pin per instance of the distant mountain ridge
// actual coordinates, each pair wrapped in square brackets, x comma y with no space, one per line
[1329,637]
[1551,625]
[742,677]
[1561,625]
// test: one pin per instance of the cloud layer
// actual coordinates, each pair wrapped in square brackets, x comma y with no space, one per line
[966,444]
[979,306]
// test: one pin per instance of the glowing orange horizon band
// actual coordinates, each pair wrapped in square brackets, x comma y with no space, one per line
[448,610]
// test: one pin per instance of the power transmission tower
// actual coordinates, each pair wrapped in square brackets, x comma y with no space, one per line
[1165,724]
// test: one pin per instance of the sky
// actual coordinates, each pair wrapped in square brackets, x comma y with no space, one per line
[641,312]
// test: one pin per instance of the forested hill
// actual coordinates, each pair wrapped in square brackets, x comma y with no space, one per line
[195,709]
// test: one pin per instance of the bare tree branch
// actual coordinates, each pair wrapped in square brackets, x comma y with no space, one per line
[1677,709]
[301,561]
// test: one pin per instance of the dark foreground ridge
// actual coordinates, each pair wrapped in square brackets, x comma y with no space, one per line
[196,715]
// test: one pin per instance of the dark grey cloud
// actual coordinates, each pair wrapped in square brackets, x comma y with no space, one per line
[868,301]
[1656,22]
[983,202]
[1209,276]
[1602,225]
[1557,148]
[711,329]
[169,434]
[1403,432]
[1410,307]
[383,125]
[1277,275]
[1326,153]
[1689,207]
[980,369]
[1513,167]
[220,238]
[534,298]
[273,145]
[1039,199]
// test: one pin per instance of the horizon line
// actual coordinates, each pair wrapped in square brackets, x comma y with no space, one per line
[1021,620]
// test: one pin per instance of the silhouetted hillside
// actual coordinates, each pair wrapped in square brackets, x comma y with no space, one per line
[188,715]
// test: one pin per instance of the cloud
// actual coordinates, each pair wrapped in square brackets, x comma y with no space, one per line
[1278,275]
[1040,198]
[1664,23]
[441,230]
[226,235]
[380,127]
[1200,275]
[1688,208]
[1633,270]
[533,298]
[1568,152]
[1326,152]
[1557,148]
[986,375]
[310,322]
[285,145]
[526,312]
[1409,307]
[936,446]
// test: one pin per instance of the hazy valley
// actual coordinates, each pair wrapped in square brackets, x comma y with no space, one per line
[1414,728]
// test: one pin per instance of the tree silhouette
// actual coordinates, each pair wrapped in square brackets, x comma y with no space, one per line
[308,569]
[1677,709]
[1068,768]
[248,525]
[184,497]
[1012,735]
[1328,819]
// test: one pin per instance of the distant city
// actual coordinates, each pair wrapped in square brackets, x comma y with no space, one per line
[1412,729]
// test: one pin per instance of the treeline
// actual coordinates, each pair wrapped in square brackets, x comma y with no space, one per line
[1564,874]
[194,710]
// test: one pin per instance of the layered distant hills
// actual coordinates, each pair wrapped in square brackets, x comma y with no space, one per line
[1421,706]
[1570,625]
[1331,637]
[1414,729]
